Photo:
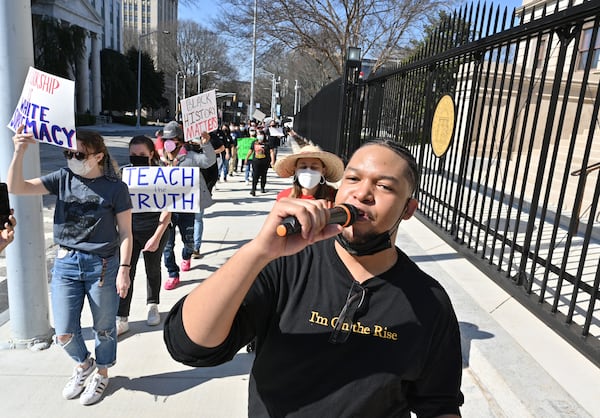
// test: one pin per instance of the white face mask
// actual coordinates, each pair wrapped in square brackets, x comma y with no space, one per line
[308,178]
[81,168]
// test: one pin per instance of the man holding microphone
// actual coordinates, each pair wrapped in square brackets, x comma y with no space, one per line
[344,322]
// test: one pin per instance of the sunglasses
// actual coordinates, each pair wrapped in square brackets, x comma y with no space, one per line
[343,327]
[79,156]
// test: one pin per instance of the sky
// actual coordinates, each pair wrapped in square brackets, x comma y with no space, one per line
[209,8]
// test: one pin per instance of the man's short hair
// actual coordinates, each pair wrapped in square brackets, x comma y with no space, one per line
[402,151]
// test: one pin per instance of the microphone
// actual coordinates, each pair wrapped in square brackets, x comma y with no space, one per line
[343,214]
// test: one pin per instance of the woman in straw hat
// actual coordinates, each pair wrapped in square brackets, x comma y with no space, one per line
[311,168]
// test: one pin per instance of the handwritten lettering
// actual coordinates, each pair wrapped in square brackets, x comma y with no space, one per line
[46,109]
[199,114]
[43,81]
[176,202]
[154,189]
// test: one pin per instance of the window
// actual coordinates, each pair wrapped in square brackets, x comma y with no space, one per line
[585,48]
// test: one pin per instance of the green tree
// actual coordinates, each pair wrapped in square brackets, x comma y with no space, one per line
[57,46]
[118,81]
[152,81]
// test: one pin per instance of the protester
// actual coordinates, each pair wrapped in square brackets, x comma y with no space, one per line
[244,143]
[235,134]
[7,235]
[226,155]
[344,321]
[311,168]
[261,159]
[177,153]
[274,138]
[92,227]
[149,238]
[211,177]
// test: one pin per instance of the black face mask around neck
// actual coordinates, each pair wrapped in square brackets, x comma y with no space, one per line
[379,242]
[374,245]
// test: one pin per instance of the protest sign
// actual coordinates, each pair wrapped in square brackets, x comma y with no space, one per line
[47,109]
[258,115]
[155,189]
[274,131]
[199,114]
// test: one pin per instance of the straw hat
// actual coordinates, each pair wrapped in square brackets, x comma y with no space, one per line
[334,166]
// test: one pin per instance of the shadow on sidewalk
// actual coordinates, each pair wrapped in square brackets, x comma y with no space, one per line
[172,383]
[468,333]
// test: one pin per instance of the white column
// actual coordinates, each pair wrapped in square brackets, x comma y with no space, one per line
[83,80]
[96,76]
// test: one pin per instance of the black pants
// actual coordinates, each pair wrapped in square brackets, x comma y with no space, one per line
[260,166]
[153,271]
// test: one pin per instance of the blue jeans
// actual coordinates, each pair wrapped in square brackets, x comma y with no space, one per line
[224,168]
[198,229]
[185,223]
[247,173]
[76,275]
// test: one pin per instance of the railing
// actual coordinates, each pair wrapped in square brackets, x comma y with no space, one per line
[526,101]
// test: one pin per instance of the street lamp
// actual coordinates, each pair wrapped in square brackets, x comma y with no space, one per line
[177,94]
[200,77]
[273,93]
[139,75]
[296,97]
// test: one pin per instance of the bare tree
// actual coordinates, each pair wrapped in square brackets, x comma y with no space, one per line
[203,50]
[324,29]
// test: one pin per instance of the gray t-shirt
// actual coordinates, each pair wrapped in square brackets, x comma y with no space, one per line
[86,209]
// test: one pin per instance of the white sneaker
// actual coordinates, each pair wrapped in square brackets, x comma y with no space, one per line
[247,182]
[153,314]
[75,384]
[122,325]
[94,390]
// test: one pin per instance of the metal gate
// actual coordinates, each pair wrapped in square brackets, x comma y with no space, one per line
[518,188]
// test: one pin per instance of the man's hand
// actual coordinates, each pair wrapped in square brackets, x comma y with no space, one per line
[313,215]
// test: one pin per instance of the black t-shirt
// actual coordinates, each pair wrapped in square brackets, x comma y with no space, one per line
[261,151]
[403,354]
[144,222]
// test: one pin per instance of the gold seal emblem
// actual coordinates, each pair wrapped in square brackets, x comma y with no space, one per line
[442,125]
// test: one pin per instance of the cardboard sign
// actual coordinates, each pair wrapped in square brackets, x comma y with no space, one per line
[274,131]
[258,115]
[156,189]
[199,114]
[47,109]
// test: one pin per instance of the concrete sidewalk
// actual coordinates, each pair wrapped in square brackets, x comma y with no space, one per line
[512,362]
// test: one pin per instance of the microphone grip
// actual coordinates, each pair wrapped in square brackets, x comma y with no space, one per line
[290,225]
[343,214]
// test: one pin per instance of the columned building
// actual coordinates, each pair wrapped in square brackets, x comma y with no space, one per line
[101,19]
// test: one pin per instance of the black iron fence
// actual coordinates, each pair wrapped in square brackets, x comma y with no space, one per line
[518,187]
